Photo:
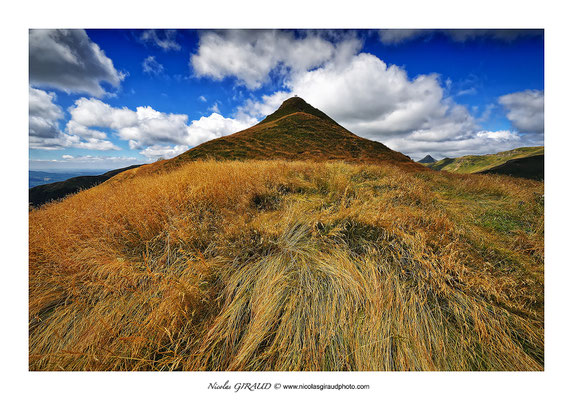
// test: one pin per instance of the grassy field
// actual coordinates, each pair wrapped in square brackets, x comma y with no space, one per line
[472,164]
[276,265]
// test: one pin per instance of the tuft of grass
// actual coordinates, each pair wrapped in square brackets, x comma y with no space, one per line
[277,265]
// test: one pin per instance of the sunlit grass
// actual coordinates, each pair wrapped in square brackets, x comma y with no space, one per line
[275,265]
[472,164]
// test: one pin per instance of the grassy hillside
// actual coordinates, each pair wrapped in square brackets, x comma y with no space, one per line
[472,164]
[296,131]
[524,167]
[275,265]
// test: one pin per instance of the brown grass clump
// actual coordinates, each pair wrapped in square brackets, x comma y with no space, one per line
[276,265]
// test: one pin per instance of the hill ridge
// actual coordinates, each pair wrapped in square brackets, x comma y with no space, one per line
[42,194]
[482,163]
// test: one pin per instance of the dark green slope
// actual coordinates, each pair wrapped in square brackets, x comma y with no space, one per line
[525,167]
[427,160]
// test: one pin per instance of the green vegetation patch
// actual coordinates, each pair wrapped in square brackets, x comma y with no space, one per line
[503,221]
[472,164]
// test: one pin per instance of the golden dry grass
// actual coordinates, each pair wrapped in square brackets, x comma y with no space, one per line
[276,265]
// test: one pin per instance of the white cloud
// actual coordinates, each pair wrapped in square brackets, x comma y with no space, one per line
[152,67]
[525,110]
[44,130]
[90,158]
[96,113]
[481,142]
[66,141]
[465,92]
[267,105]
[215,126]
[69,61]
[165,39]
[360,91]
[153,131]
[203,99]
[144,126]
[250,56]
[44,114]
[380,102]
[215,108]
[54,143]
[158,151]
[96,144]
[368,96]
[74,128]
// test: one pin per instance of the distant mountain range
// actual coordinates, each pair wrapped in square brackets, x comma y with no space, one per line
[523,162]
[41,194]
[36,178]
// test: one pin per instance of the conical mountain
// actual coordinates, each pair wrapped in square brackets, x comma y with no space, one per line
[296,131]
[427,160]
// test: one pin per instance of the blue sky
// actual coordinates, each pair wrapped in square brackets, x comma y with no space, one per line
[104,99]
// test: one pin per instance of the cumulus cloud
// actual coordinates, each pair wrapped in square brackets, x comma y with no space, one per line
[525,110]
[69,61]
[44,130]
[63,141]
[44,114]
[95,144]
[152,67]
[380,102]
[144,126]
[480,142]
[215,126]
[250,56]
[369,96]
[158,151]
[164,39]
[360,91]
[156,133]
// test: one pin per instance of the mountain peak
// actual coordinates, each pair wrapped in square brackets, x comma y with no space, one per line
[427,160]
[293,105]
[295,101]
[295,131]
